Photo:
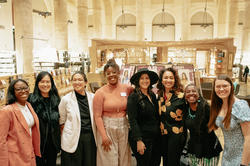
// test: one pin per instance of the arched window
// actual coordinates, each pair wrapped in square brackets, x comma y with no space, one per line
[126,27]
[163,27]
[201,26]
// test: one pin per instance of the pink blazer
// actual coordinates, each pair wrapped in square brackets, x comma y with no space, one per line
[17,146]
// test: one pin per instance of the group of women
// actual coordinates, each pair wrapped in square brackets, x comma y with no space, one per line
[102,129]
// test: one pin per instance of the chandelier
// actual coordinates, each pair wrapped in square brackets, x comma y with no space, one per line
[163,24]
[123,26]
[205,24]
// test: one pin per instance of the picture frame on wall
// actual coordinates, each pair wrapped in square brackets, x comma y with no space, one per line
[126,73]
[186,74]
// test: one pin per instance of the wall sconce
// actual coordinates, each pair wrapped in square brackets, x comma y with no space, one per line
[41,13]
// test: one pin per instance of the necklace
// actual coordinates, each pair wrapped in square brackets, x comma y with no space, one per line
[190,115]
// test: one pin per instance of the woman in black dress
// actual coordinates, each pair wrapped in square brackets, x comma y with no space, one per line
[171,107]
[142,109]
[45,101]
[203,146]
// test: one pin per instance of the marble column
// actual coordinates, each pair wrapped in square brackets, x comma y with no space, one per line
[23,35]
[139,20]
[82,10]
[61,25]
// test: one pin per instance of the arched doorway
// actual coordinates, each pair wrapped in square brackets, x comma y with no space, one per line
[163,27]
[201,29]
[126,27]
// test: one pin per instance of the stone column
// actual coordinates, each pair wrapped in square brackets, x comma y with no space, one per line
[233,18]
[221,24]
[246,34]
[185,28]
[61,26]
[97,18]
[139,20]
[108,19]
[82,10]
[23,35]
[147,20]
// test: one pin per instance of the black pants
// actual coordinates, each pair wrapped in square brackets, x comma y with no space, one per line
[172,146]
[85,154]
[151,156]
[49,155]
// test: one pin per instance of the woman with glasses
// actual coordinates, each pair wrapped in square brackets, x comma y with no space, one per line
[203,146]
[19,128]
[77,124]
[232,115]
[45,101]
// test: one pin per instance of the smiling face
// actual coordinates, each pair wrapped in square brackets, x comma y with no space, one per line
[112,75]
[222,88]
[78,83]
[144,81]
[44,86]
[168,80]
[21,92]
[191,94]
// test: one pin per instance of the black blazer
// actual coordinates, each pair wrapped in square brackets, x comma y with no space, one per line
[143,116]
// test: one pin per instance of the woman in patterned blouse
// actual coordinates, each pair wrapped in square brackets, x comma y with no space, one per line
[171,106]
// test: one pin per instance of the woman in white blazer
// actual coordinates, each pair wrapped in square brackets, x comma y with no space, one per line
[77,125]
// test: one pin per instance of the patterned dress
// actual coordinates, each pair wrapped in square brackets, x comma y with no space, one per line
[233,137]
[172,128]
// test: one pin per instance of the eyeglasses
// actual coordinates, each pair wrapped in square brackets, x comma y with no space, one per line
[222,86]
[25,89]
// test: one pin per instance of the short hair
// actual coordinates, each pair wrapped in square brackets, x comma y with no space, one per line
[11,97]
[81,73]
[111,63]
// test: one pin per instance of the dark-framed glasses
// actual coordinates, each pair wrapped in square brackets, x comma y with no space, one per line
[21,89]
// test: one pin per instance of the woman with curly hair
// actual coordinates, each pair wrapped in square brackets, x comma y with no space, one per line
[45,101]
[171,107]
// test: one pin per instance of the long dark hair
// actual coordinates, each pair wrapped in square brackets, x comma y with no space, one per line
[138,91]
[11,97]
[177,84]
[53,93]
[216,104]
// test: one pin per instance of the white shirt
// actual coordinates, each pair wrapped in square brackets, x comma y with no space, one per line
[27,115]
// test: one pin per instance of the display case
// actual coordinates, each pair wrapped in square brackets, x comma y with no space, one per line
[174,52]
[8,63]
